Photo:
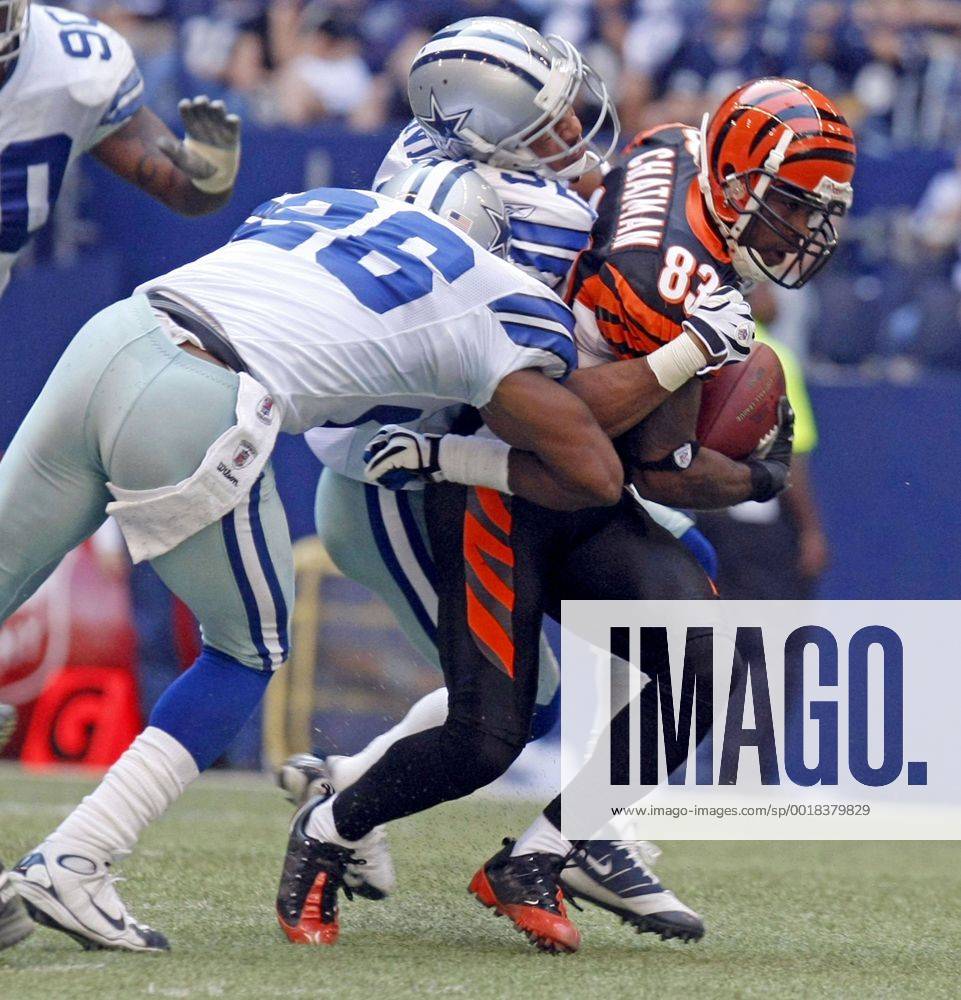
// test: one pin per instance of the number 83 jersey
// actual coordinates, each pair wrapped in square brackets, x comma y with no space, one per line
[74,83]
[654,255]
[353,308]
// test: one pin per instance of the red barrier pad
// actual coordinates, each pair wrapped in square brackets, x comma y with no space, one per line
[86,716]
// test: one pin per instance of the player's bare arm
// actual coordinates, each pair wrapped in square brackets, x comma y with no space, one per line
[662,469]
[193,176]
[610,399]
[619,394]
[561,457]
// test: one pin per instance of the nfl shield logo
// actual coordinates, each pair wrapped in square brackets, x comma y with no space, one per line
[265,409]
[244,453]
[683,456]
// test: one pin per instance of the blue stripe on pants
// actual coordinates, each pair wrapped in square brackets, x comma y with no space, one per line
[392,563]
[229,528]
[270,574]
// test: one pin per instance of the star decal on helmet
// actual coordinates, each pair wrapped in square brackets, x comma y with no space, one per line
[447,127]
[501,241]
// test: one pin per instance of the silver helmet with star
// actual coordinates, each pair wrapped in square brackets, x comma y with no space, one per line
[492,89]
[455,191]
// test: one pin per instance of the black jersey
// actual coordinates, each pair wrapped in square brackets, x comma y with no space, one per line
[655,255]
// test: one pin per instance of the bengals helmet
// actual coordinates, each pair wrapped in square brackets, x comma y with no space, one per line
[777,159]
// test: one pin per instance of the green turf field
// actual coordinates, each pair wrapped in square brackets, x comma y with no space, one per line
[784,920]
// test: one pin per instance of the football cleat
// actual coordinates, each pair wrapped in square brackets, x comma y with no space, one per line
[67,890]
[15,925]
[616,876]
[314,871]
[525,889]
[306,776]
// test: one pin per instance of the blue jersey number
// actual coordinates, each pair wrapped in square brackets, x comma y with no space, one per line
[403,276]
[24,206]
[80,38]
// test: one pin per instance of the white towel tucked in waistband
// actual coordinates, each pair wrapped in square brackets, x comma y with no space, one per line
[155,521]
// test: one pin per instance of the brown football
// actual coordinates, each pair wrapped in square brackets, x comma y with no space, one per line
[739,403]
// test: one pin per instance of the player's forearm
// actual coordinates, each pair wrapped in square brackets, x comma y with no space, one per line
[560,457]
[156,175]
[134,152]
[554,488]
[620,394]
[710,482]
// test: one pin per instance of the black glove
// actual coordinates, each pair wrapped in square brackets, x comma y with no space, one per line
[769,475]
[397,456]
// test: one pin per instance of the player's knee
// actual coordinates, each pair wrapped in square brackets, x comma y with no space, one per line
[682,577]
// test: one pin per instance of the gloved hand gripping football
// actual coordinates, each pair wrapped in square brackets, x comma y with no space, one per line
[724,326]
[772,463]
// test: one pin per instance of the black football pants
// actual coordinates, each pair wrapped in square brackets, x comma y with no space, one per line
[502,563]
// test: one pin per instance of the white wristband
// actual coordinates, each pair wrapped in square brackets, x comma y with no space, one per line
[227,162]
[676,362]
[474,461]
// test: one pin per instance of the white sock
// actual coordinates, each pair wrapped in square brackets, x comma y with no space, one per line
[139,788]
[321,826]
[541,837]
[427,713]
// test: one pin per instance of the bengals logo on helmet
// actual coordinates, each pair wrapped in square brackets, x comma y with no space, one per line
[778,156]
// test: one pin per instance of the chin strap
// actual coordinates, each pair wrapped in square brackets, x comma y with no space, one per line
[741,257]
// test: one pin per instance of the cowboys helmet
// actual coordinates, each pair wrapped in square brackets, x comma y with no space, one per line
[777,161]
[488,88]
[456,192]
[14,15]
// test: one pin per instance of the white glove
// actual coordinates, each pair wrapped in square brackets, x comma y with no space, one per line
[397,456]
[724,325]
[210,152]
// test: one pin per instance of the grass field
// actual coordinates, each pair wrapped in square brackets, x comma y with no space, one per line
[784,920]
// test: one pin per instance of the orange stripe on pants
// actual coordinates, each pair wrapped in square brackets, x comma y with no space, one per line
[489,631]
[478,541]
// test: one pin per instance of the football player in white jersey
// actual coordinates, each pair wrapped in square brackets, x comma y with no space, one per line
[164,409]
[69,85]
[494,93]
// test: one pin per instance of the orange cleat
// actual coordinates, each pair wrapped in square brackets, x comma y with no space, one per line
[526,889]
[307,908]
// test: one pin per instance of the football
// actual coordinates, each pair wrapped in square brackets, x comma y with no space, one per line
[739,404]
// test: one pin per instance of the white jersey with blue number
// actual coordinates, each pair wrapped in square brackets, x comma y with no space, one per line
[357,310]
[74,83]
[550,224]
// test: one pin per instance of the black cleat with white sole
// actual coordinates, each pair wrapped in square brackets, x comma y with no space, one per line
[616,876]
[306,776]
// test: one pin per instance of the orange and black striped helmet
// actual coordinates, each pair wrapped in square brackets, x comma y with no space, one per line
[777,151]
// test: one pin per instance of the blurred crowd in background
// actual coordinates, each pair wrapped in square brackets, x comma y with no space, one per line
[893,66]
